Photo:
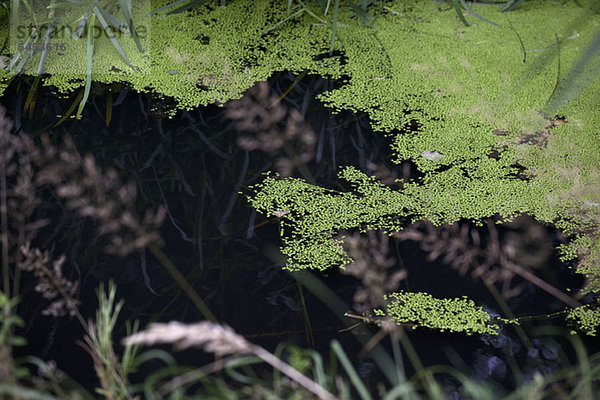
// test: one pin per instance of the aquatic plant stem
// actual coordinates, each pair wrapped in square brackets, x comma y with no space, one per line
[307,325]
[182,282]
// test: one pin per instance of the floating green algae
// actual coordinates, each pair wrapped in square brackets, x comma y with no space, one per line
[487,100]
[453,315]
[209,56]
[586,318]
[479,94]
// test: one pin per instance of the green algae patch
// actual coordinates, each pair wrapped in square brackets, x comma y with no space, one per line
[586,318]
[492,138]
[314,215]
[452,315]
[500,132]
[486,142]
[208,56]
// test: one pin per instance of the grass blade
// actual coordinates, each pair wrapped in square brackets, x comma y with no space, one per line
[283,21]
[577,79]
[459,12]
[354,378]
[182,8]
[49,31]
[511,5]
[98,12]
[336,7]
[126,10]
[89,60]
[168,6]
[360,10]
[21,392]
[114,21]
[31,97]
[584,387]
[70,110]
[473,13]
[69,5]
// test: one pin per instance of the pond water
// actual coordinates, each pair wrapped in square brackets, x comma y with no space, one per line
[195,165]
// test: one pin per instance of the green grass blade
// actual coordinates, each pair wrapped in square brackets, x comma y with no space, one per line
[360,10]
[577,80]
[65,5]
[319,370]
[583,390]
[98,13]
[70,110]
[511,5]
[325,6]
[109,18]
[188,6]
[20,55]
[283,21]
[40,69]
[80,27]
[89,60]
[49,30]
[242,362]
[398,360]
[336,7]
[523,50]
[473,13]
[354,378]
[24,58]
[338,307]
[14,13]
[459,12]
[20,392]
[168,6]
[403,391]
[126,10]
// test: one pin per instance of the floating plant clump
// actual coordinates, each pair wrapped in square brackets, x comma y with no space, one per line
[453,315]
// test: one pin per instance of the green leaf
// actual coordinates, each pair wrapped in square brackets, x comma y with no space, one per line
[511,5]
[65,5]
[98,12]
[354,378]
[294,15]
[168,6]
[459,12]
[336,7]
[21,392]
[360,10]
[183,8]
[89,60]
[464,4]
[126,10]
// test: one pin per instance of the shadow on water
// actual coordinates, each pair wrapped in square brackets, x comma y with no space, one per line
[195,165]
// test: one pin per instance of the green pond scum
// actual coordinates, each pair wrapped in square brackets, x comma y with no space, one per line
[507,114]
[453,315]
